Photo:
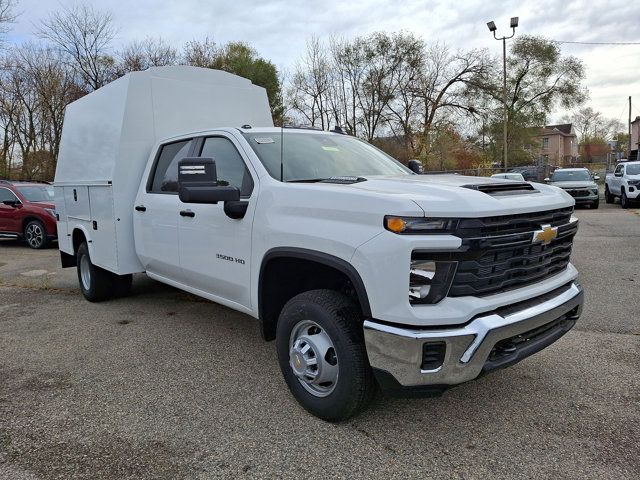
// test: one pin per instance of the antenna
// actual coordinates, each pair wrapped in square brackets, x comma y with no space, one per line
[282,152]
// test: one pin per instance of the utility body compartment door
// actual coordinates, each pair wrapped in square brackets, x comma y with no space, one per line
[215,250]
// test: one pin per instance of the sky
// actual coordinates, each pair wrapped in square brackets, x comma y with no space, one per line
[278,29]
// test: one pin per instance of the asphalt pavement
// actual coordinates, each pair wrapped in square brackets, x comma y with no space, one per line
[162,384]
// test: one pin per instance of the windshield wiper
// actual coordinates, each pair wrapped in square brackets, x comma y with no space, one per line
[306,180]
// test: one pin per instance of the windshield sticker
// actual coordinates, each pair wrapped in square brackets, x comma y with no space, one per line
[262,140]
[330,149]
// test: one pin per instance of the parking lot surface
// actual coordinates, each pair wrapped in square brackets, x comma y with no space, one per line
[164,385]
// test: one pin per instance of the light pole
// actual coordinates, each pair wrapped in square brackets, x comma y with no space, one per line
[493,28]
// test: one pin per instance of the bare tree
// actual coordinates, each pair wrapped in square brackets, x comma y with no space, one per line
[591,124]
[85,36]
[443,85]
[200,53]
[310,85]
[150,52]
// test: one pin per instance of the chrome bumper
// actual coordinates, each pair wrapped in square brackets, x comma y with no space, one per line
[398,351]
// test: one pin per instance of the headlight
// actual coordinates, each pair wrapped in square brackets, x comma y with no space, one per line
[634,182]
[419,225]
[594,191]
[429,280]
[51,212]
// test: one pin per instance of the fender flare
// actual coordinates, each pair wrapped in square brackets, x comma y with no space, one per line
[87,237]
[320,257]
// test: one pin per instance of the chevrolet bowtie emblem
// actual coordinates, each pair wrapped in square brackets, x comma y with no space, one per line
[545,235]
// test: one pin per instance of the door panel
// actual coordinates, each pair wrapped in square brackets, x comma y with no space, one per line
[9,216]
[215,250]
[157,213]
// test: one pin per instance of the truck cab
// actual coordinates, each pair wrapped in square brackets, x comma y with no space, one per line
[364,273]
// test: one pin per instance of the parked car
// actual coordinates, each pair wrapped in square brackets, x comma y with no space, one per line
[27,212]
[509,176]
[361,270]
[530,173]
[579,183]
[623,183]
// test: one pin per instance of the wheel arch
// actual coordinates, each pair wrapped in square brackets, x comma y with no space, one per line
[29,217]
[289,266]
[78,235]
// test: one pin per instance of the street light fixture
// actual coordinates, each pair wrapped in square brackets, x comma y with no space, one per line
[492,28]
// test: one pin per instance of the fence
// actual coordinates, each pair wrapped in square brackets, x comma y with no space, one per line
[530,172]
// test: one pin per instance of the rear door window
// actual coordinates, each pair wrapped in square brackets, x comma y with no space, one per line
[165,174]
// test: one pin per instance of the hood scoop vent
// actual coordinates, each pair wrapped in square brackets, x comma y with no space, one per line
[344,180]
[503,189]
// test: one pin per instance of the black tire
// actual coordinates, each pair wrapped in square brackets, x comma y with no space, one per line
[98,284]
[624,201]
[342,321]
[595,204]
[35,235]
[607,196]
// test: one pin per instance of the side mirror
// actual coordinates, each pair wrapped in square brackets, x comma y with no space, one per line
[596,177]
[11,203]
[547,179]
[198,183]
[619,174]
[415,166]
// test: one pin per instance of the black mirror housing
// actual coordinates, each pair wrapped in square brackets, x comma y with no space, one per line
[415,166]
[198,182]
[11,203]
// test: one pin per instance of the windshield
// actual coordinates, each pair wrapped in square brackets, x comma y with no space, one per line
[571,176]
[37,193]
[633,169]
[313,157]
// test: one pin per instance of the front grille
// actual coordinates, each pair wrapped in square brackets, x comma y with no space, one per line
[497,253]
[578,193]
[507,224]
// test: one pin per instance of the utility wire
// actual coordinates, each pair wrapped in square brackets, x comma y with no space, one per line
[596,43]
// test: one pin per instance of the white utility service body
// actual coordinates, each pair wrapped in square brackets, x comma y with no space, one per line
[483,281]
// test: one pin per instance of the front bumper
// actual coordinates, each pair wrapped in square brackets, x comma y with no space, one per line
[633,192]
[488,342]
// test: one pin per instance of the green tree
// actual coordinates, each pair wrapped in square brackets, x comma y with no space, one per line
[240,59]
[539,80]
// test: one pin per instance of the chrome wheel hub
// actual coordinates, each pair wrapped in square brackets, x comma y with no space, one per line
[85,272]
[313,359]
[35,235]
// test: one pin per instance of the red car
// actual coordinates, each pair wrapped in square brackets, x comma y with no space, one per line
[27,211]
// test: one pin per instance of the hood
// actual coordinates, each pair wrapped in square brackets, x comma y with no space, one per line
[584,184]
[455,195]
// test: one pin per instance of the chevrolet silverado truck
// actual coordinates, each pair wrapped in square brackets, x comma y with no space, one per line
[366,274]
[578,183]
[623,183]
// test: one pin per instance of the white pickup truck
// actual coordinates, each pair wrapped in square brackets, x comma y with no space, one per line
[365,273]
[624,183]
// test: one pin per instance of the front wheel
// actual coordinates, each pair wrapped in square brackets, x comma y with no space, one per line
[607,195]
[322,355]
[624,201]
[35,234]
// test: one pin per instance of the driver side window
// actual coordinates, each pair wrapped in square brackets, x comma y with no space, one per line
[230,167]
[619,169]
